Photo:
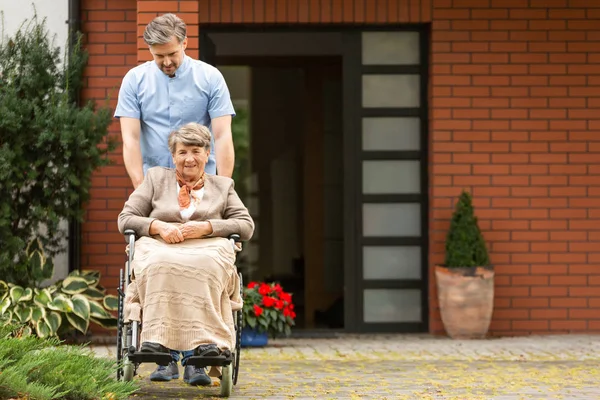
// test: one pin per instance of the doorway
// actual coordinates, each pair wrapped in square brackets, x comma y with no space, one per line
[337,173]
[293,182]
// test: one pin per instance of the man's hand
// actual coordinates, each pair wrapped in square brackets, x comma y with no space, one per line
[196,229]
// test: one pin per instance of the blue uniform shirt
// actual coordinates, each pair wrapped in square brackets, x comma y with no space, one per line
[197,93]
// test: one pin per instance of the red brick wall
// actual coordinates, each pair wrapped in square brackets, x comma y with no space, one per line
[110,34]
[515,118]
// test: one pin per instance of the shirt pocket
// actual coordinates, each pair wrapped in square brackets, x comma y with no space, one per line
[193,110]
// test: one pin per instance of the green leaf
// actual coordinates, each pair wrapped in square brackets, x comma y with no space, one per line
[15,293]
[36,262]
[93,293]
[26,331]
[34,245]
[53,320]
[78,323]
[4,304]
[81,306]
[97,311]
[108,323]
[38,313]
[23,313]
[251,321]
[288,330]
[111,302]
[7,318]
[273,314]
[90,280]
[27,295]
[42,329]
[3,288]
[42,298]
[91,273]
[74,285]
[48,268]
[264,323]
[61,303]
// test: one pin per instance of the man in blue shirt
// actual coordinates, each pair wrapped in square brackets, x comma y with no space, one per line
[158,97]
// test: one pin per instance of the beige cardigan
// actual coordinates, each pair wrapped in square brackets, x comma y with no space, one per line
[156,198]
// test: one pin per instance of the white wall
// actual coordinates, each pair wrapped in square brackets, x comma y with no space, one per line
[56,13]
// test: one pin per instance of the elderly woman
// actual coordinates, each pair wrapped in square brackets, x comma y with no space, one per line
[185,282]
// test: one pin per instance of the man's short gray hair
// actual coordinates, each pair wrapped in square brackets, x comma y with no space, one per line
[191,134]
[162,29]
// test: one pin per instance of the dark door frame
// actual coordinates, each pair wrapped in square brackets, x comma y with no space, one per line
[353,199]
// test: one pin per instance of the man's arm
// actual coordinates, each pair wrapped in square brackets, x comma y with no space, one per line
[225,153]
[132,153]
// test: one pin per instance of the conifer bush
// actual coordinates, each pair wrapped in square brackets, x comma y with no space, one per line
[39,369]
[465,245]
[49,145]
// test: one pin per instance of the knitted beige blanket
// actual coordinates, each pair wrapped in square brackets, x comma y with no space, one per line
[186,292]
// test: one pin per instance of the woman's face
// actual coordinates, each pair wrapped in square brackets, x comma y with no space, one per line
[190,160]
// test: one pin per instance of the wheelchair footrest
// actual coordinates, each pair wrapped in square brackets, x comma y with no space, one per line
[209,361]
[158,358]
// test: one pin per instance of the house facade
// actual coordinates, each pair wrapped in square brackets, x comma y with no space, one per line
[406,103]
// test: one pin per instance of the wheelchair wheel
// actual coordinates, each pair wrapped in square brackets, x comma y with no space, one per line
[128,370]
[120,327]
[238,338]
[227,381]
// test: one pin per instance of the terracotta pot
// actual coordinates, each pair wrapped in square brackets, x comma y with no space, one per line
[466,299]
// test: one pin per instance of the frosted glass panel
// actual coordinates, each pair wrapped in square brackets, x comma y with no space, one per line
[392,219]
[391,177]
[391,133]
[391,262]
[390,91]
[392,305]
[390,48]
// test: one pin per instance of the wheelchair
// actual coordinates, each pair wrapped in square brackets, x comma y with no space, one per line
[129,357]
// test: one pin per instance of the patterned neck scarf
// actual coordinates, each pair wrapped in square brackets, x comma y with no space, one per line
[186,189]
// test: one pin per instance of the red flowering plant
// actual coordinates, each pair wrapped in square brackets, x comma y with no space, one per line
[267,308]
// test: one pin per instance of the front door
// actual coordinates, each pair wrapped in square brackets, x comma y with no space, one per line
[385,148]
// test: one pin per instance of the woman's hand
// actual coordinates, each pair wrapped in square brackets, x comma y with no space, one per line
[196,229]
[168,232]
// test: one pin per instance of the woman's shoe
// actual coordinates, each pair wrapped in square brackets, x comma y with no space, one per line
[165,374]
[151,347]
[207,350]
[196,376]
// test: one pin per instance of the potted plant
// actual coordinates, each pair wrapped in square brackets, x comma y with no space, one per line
[268,312]
[465,283]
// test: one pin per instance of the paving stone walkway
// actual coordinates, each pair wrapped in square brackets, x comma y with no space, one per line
[404,367]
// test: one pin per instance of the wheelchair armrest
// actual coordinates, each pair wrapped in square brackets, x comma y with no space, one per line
[128,233]
[235,237]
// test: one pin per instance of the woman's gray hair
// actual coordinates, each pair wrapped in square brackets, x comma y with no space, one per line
[162,29]
[192,134]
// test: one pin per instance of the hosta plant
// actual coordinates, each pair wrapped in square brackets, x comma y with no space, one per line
[71,303]
[268,308]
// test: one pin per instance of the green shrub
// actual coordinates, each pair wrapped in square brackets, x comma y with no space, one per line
[70,303]
[465,245]
[49,146]
[42,369]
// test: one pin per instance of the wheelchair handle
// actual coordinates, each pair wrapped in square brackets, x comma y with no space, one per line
[235,237]
[128,233]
